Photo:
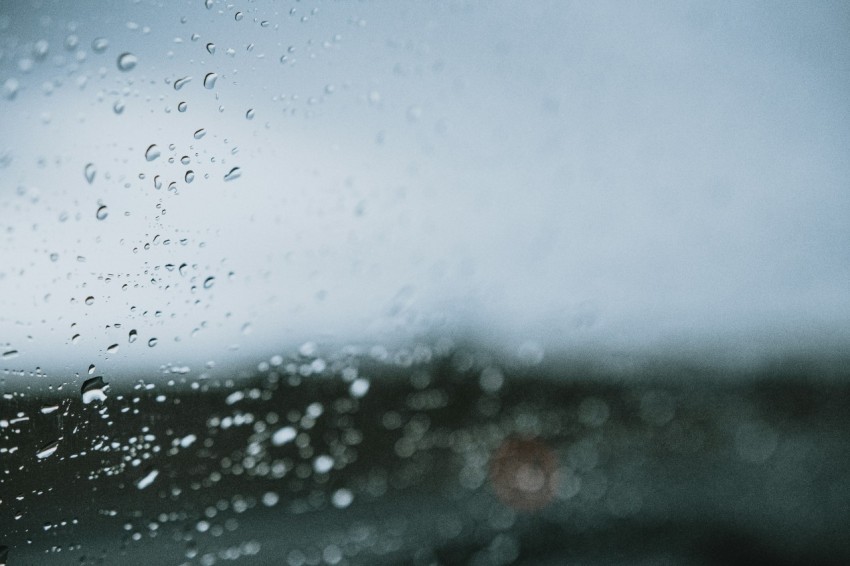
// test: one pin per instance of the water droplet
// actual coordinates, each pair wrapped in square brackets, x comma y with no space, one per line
[152,342]
[91,369]
[200,133]
[152,152]
[47,409]
[99,45]
[208,282]
[47,450]
[132,336]
[190,176]
[147,479]
[208,4]
[284,435]
[211,48]
[182,107]
[342,498]
[323,464]
[10,354]
[112,349]
[238,16]
[127,62]
[75,338]
[89,300]
[250,114]
[180,83]
[90,172]
[157,182]
[94,389]
[209,80]
[102,213]
[54,256]
[234,173]
[118,107]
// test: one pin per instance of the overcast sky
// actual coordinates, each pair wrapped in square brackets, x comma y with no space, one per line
[615,176]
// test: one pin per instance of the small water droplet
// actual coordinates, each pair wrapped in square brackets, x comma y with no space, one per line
[238,16]
[10,354]
[180,83]
[147,479]
[112,349]
[89,300]
[250,114]
[47,450]
[209,80]
[152,152]
[208,282]
[102,213]
[200,133]
[127,62]
[152,342]
[94,389]
[208,4]
[54,256]
[75,338]
[118,107]
[99,45]
[190,176]
[234,173]
[91,369]
[132,336]
[90,172]
[47,409]
[211,48]
[182,107]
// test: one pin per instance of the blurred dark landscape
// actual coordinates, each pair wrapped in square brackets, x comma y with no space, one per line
[434,457]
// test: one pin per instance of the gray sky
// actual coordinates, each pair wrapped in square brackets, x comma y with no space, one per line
[608,176]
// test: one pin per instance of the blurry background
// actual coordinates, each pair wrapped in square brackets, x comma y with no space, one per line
[391,282]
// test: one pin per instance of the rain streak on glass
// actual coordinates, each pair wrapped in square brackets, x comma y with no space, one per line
[152,152]
[127,62]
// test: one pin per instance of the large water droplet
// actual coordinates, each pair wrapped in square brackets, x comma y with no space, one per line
[112,348]
[200,133]
[99,45]
[209,80]
[94,389]
[102,213]
[90,172]
[89,301]
[238,16]
[152,342]
[211,48]
[152,152]
[127,62]
[182,107]
[180,83]
[234,173]
[190,176]
[47,450]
